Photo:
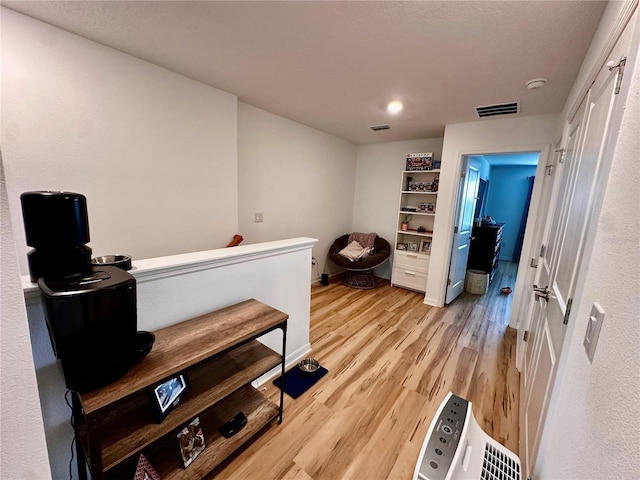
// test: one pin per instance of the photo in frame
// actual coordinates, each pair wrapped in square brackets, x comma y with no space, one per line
[412,246]
[425,246]
[166,395]
[191,441]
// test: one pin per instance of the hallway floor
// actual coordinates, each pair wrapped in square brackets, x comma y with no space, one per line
[391,361]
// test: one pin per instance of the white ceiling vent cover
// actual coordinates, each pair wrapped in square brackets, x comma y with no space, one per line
[456,448]
[498,109]
[382,126]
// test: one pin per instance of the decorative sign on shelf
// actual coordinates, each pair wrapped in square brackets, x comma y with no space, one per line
[419,161]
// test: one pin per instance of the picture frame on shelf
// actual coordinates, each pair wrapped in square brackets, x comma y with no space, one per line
[191,441]
[412,246]
[425,246]
[166,395]
[401,246]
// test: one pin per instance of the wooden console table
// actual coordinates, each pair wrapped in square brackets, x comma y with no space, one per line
[219,354]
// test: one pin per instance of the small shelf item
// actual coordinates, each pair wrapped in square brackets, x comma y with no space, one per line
[145,471]
[166,395]
[191,441]
[419,161]
[417,208]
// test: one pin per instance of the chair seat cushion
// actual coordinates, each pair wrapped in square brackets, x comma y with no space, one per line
[354,251]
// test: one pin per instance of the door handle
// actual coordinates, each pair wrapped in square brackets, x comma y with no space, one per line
[542,292]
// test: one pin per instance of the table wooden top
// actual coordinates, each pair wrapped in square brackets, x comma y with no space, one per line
[184,344]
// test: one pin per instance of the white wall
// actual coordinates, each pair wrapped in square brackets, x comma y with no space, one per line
[301,180]
[377,192]
[23,452]
[508,135]
[592,427]
[154,152]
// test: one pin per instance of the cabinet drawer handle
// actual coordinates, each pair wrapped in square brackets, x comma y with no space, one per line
[412,255]
[409,272]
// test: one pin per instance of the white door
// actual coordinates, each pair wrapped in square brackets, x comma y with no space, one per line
[467,197]
[565,237]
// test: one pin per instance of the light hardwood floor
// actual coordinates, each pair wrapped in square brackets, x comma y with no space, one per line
[391,361]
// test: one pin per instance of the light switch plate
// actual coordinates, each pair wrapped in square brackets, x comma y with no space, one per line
[593,330]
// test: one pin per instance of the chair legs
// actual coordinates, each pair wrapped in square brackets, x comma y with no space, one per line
[361,280]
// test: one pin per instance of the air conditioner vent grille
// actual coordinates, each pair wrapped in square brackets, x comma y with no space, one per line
[498,466]
[498,109]
[382,126]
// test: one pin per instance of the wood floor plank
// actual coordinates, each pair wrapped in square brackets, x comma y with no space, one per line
[391,361]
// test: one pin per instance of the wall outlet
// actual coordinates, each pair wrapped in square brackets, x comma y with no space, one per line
[313,261]
[257,217]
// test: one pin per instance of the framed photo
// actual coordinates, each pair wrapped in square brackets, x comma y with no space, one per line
[191,440]
[412,246]
[425,246]
[431,207]
[166,395]
[401,246]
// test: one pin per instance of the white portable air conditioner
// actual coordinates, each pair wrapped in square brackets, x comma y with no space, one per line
[456,448]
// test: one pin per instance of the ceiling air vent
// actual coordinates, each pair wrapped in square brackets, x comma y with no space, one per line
[382,126]
[498,109]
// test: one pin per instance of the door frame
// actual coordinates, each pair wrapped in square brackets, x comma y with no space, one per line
[544,149]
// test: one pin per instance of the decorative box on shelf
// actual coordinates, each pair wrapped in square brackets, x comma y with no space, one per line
[419,161]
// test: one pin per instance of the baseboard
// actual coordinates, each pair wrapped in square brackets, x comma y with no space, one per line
[434,302]
[292,359]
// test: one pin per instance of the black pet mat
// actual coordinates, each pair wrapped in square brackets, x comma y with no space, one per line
[297,382]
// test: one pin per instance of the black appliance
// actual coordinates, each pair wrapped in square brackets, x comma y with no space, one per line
[92,324]
[57,227]
[90,310]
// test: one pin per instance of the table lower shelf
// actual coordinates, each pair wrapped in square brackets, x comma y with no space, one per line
[165,455]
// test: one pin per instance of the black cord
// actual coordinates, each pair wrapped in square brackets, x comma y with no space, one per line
[73,442]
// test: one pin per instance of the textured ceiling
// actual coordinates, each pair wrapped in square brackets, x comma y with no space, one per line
[335,65]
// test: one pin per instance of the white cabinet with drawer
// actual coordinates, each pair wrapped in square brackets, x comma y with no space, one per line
[410,270]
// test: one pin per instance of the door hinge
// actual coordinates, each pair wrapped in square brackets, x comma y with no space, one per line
[455,229]
[526,336]
[549,169]
[448,281]
[543,250]
[620,66]
[562,153]
[533,263]
[568,311]
[463,173]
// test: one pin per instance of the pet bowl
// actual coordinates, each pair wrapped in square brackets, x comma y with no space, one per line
[120,261]
[144,343]
[309,365]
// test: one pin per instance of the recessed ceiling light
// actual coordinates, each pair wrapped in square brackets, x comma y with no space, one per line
[536,83]
[394,107]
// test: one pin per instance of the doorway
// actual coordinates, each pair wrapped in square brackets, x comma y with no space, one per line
[502,199]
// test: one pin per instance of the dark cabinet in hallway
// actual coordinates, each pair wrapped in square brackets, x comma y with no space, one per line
[485,248]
